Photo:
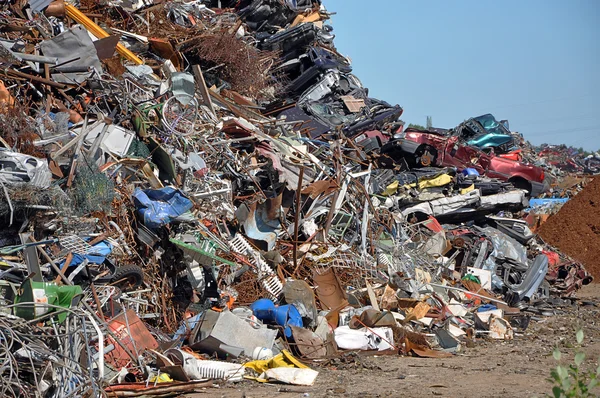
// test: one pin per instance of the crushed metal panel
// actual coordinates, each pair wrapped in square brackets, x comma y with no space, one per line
[71,44]
[133,333]
[329,290]
[308,344]
[39,5]
[165,50]
[301,295]
[183,86]
[19,168]
[256,224]
[230,330]
[106,47]
[31,258]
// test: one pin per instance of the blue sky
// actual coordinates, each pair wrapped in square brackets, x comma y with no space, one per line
[533,62]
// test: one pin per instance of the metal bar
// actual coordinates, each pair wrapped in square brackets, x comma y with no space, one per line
[35,78]
[203,89]
[76,140]
[37,58]
[296,219]
[33,262]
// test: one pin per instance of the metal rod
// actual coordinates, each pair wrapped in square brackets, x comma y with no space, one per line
[35,78]
[297,217]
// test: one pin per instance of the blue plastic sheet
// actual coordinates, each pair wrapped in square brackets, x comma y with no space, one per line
[187,325]
[97,254]
[547,201]
[158,207]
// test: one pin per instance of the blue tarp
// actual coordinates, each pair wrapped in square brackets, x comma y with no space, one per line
[96,256]
[158,207]
[546,201]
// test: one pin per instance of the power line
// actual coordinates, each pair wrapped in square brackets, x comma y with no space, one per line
[541,102]
[556,119]
[563,131]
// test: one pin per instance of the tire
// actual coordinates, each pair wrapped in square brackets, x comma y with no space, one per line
[128,277]
[521,183]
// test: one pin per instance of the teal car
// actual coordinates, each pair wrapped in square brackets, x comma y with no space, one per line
[486,132]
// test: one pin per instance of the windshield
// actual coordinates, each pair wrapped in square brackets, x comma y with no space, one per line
[491,125]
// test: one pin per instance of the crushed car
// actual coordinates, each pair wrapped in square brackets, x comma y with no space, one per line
[418,148]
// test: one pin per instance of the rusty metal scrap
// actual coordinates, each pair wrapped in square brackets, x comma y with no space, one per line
[209,163]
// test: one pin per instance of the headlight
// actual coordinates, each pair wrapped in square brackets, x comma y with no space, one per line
[398,136]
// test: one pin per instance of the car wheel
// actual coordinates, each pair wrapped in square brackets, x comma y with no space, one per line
[521,183]
[128,277]
[426,156]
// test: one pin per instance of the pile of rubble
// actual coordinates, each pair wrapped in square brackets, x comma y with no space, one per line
[200,192]
[563,160]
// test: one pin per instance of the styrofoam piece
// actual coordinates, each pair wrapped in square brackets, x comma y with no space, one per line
[456,308]
[300,377]
[364,339]
[484,275]
[485,316]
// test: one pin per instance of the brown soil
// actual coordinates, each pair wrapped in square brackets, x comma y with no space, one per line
[485,369]
[575,229]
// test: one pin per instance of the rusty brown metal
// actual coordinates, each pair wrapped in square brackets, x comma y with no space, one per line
[296,218]
[328,289]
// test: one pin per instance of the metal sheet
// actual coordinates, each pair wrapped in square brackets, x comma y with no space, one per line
[106,47]
[39,5]
[308,343]
[329,289]
[71,44]
[256,224]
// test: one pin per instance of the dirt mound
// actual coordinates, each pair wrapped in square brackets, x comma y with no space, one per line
[575,229]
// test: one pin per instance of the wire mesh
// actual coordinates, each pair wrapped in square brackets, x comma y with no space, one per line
[48,361]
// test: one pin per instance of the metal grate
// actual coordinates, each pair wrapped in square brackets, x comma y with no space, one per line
[74,244]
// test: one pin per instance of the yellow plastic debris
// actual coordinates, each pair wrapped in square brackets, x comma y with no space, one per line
[438,181]
[283,360]
[80,18]
[467,189]
[391,189]
[161,378]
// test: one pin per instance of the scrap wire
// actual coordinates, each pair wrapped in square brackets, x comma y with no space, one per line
[26,357]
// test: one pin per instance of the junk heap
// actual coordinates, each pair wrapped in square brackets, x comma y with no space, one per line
[200,192]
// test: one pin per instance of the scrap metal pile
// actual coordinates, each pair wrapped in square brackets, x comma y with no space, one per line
[202,191]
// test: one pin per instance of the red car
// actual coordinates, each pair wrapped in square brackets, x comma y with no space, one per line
[420,148]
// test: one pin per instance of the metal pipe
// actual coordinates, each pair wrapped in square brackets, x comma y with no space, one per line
[35,78]
[100,347]
[297,219]
[37,58]
[12,210]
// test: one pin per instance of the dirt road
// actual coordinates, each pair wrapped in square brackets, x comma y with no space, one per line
[518,368]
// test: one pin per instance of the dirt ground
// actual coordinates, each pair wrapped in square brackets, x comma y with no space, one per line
[518,368]
[575,229]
